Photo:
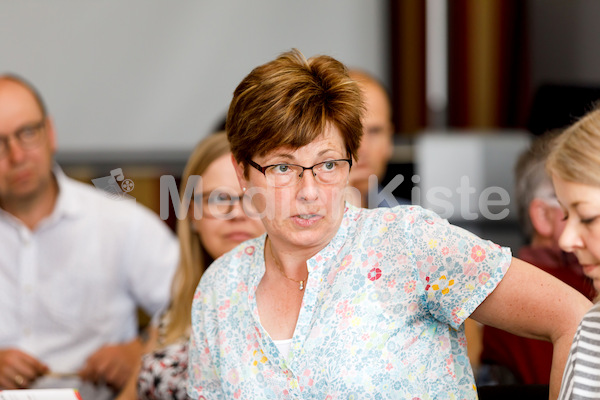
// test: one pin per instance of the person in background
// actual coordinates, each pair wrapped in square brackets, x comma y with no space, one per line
[376,146]
[75,265]
[574,165]
[511,359]
[223,226]
[342,301]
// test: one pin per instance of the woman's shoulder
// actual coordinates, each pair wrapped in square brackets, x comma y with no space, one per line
[588,333]
[402,209]
[409,215]
[232,268]
[592,317]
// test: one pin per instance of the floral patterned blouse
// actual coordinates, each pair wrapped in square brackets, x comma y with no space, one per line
[163,372]
[381,316]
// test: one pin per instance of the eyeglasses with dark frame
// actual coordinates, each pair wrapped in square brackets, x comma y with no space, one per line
[220,204]
[327,172]
[27,136]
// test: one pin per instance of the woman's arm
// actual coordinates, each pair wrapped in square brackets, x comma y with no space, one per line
[532,303]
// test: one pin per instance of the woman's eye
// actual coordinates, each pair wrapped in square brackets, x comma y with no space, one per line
[220,198]
[282,168]
[587,221]
[328,166]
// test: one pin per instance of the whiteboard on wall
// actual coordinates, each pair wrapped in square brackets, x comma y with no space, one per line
[147,76]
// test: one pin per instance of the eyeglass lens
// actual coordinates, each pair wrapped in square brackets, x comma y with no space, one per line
[327,172]
[28,137]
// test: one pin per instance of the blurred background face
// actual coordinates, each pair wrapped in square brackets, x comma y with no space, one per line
[23,172]
[224,224]
[377,142]
[558,222]
[581,235]
[547,218]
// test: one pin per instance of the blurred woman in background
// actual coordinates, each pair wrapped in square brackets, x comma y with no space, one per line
[223,225]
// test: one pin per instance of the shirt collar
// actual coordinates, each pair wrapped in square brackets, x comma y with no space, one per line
[67,203]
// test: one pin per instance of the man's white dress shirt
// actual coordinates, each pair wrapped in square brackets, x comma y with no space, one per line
[74,283]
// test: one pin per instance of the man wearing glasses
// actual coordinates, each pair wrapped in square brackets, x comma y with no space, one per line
[74,264]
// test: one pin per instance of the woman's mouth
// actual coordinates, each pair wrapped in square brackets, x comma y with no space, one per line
[238,236]
[306,220]
[589,269]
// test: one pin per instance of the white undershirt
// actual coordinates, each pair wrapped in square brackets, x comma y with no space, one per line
[283,346]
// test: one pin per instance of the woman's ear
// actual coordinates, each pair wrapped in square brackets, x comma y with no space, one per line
[239,172]
[541,218]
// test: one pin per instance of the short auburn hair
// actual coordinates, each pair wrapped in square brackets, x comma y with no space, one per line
[289,102]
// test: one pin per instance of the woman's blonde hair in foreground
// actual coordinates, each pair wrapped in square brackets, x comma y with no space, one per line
[193,257]
[575,154]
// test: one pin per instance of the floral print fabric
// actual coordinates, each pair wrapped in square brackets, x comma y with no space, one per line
[381,316]
[163,373]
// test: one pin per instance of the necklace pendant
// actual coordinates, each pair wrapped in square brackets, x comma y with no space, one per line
[301,285]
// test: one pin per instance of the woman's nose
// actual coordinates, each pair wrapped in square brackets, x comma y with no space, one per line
[570,239]
[309,190]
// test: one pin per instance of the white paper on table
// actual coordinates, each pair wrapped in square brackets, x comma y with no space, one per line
[40,394]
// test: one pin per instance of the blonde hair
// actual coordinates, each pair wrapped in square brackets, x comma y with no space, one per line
[575,154]
[289,102]
[194,259]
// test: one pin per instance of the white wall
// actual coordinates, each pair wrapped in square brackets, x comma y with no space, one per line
[147,75]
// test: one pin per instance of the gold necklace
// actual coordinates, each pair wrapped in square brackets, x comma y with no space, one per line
[301,287]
